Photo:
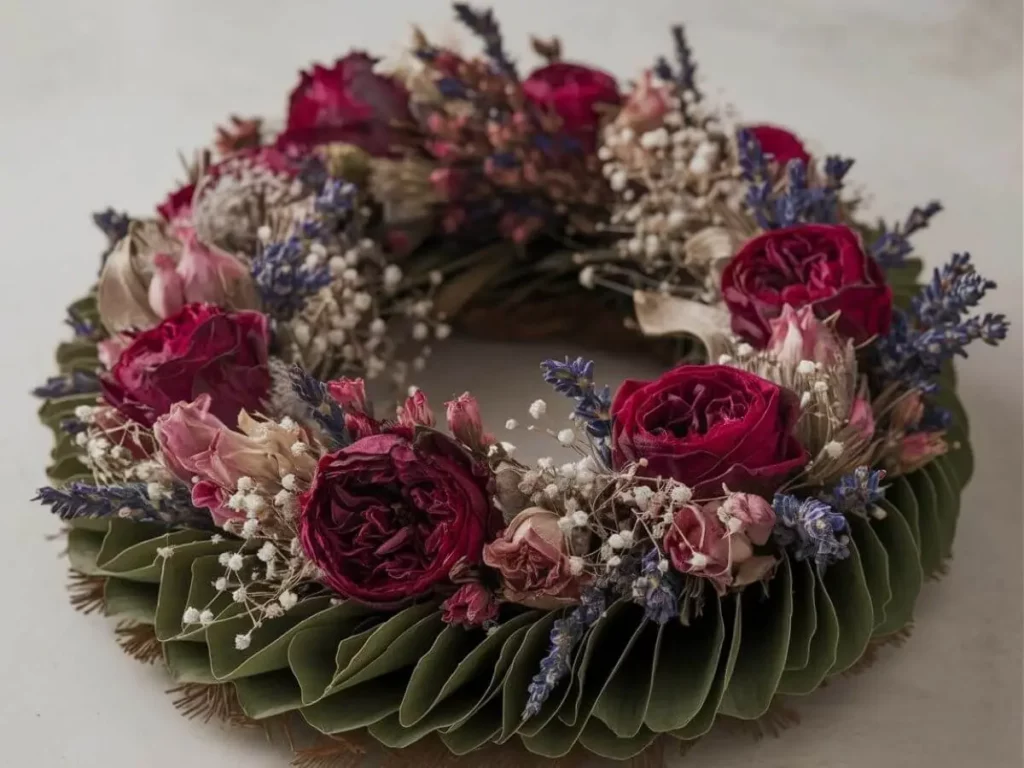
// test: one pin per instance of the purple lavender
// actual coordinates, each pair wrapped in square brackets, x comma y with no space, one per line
[113,224]
[484,25]
[810,530]
[321,407]
[80,325]
[685,75]
[284,280]
[574,379]
[566,634]
[893,246]
[68,385]
[857,491]
[82,500]
[919,343]
[657,592]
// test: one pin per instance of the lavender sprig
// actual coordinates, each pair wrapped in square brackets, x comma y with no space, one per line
[485,26]
[67,385]
[82,327]
[892,247]
[285,280]
[685,77]
[952,291]
[565,636]
[574,379]
[133,501]
[810,530]
[321,407]
[857,491]
[113,224]
[657,590]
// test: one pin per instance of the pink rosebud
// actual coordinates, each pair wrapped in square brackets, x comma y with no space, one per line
[797,334]
[350,394]
[210,275]
[167,290]
[919,448]
[645,107]
[437,124]
[110,349]
[748,514]
[465,423]
[908,411]
[416,411]
[472,605]
[861,417]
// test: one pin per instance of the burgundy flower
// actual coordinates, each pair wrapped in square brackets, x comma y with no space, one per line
[387,517]
[781,145]
[573,92]
[346,103]
[705,425]
[201,349]
[472,605]
[533,560]
[818,265]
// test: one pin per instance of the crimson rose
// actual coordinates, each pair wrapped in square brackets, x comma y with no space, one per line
[346,103]
[388,516]
[201,349]
[572,92]
[818,265]
[705,425]
[781,145]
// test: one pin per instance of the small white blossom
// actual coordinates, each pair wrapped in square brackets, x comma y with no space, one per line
[157,492]
[84,413]
[206,617]
[191,616]
[508,448]
[378,327]
[744,350]
[568,470]
[834,449]
[587,276]
[288,482]
[250,528]
[220,584]
[301,332]
[164,552]
[821,387]
[242,642]
[254,504]
[627,538]
[551,491]
[236,501]
[576,565]
[545,462]
[805,367]
[571,505]
[680,494]
[223,558]
[288,600]
[392,276]
[267,552]
[565,523]
[538,408]
[724,359]
[216,538]
[615,541]
[614,561]
[264,233]
[443,331]
[567,437]
[420,331]
[511,424]
[878,513]
[805,399]
[239,594]
[663,566]
[362,301]
[299,448]
[436,277]
[642,495]
[580,518]
[235,562]
[698,560]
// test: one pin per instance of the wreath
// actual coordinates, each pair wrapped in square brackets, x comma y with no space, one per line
[755,521]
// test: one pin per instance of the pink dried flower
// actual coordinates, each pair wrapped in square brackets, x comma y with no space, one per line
[797,334]
[416,411]
[472,605]
[465,423]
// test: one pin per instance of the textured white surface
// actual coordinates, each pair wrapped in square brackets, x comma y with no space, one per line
[926,94]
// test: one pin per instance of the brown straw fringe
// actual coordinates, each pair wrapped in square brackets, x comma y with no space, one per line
[897,639]
[139,641]
[85,593]
[210,701]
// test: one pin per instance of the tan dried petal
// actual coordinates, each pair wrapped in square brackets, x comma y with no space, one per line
[122,293]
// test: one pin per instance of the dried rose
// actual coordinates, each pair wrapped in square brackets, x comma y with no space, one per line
[472,605]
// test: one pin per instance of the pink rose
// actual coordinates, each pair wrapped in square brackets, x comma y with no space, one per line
[211,275]
[196,444]
[798,334]
[532,558]
[472,605]
[416,411]
[465,422]
[748,514]
[350,394]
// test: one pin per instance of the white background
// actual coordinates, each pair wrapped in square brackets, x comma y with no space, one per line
[98,96]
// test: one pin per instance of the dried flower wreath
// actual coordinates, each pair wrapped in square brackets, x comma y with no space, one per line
[754,521]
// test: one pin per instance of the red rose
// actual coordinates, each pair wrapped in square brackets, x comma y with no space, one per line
[200,349]
[387,517]
[818,265]
[705,425]
[347,103]
[572,92]
[780,144]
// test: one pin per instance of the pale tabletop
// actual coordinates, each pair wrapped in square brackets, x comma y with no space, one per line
[925,94]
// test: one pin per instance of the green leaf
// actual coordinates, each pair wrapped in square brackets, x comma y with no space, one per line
[947,505]
[901,495]
[483,726]
[848,590]
[805,618]
[188,662]
[130,548]
[312,652]
[83,548]
[762,657]
[928,520]
[358,706]
[732,614]
[611,639]
[398,642]
[824,644]
[603,741]
[268,695]
[268,649]
[52,412]
[130,600]
[687,661]
[875,561]
[68,470]
[622,706]
[905,574]
[390,732]
[176,582]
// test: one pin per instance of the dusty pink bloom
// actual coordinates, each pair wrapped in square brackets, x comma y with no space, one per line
[465,423]
[110,349]
[416,411]
[797,334]
[748,514]
[919,448]
[167,289]
[862,418]
[350,394]
[908,411]
[698,543]
[533,560]
[211,275]
[645,107]
[196,444]
[472,605]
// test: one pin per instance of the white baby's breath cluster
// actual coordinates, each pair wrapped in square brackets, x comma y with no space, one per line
[679,199]
[110,449]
